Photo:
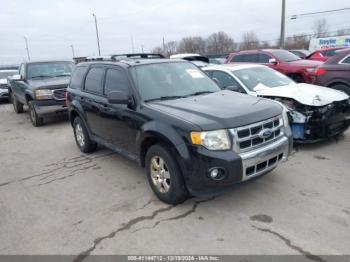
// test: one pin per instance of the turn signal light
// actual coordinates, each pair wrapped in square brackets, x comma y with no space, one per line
[320,71]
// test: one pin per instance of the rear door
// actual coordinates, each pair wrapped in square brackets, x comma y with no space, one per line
[93,100]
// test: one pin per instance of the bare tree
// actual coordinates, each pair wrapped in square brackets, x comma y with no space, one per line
[265,44]
[249,41]
[300,41]
[219,43]
[192,45]
[320,27]
[167,49]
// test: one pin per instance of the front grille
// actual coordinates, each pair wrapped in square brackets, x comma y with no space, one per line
[261,167]
[59,94]
[248,137]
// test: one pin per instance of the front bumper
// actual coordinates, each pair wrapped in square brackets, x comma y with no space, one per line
[4,93]
[237,167]
[48,108]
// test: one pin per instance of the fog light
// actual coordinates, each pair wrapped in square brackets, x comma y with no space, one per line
[216,173]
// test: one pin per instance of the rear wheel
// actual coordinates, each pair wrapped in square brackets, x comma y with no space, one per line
[17,106]
[34,118]
[82,138]
[164,175]
[342,87]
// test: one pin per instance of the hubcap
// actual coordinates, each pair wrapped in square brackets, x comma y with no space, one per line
[79,135]
[160,174]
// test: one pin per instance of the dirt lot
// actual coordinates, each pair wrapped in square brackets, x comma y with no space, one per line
[55,200]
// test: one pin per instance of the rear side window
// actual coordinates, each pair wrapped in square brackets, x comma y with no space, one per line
[93,81]
[116,81]
[346,60]
[77,78]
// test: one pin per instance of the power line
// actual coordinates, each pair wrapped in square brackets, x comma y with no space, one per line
[320,12]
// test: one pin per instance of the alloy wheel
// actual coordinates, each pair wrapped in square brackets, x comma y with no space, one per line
[160,174]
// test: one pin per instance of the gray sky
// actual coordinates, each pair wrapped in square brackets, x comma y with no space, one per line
[52,26]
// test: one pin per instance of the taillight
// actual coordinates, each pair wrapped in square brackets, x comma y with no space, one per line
[320,71]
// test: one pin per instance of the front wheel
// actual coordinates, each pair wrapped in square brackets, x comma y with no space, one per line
[82,138]
[34,118]
[164,175]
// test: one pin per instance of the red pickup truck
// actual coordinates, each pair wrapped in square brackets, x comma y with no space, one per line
[300,70]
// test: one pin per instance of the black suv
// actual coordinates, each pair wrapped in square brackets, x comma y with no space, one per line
[193,138]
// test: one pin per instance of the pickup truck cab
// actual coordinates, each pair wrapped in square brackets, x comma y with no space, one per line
[42,87]
[170,117]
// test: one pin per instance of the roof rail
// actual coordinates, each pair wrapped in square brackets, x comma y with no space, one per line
[136,56]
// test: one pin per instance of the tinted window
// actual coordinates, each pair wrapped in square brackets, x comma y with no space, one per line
[264,59]
[253,58]
[93,82]
[224,79]
[77,77]
[346,60]
[116,81]
[285,56]
[238,58]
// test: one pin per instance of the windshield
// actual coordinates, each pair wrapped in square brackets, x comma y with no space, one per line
[5,74]
[49,69]
[252,77]
[171,80]
[285,56]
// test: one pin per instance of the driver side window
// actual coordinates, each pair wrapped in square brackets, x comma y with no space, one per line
[225,80]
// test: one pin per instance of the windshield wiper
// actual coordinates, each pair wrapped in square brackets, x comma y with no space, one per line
[62,75]
[164,98]
[200,93]
[40,76]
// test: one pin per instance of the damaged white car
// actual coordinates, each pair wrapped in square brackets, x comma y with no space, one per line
[316,112]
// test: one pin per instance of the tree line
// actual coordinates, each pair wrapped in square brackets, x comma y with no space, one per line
[222,43]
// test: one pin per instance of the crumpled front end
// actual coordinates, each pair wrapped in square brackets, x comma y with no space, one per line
[314,123]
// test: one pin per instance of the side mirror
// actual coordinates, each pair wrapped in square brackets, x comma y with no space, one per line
[17,78]
[273,61]
[216,81]
[118,97]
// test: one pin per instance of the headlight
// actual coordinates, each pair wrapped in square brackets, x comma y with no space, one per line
[285,117]
[212,140]
[42,94]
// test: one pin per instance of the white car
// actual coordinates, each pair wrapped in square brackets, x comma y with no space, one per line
[4,74]
[316,112]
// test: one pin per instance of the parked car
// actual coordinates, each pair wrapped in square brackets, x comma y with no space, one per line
[41,86]
[300,70]
[302,53]
[323,54]
[335,72]
[169,116]
[4,91]
[316,112]
[196,59]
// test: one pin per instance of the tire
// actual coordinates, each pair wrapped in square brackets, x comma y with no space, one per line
[164,175]
[34,118]
[341,87]
[17,106]
[82,138]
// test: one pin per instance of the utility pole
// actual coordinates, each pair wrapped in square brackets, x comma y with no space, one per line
[26,41]
[72,50]
[142,48]
[283,20]
[98,39]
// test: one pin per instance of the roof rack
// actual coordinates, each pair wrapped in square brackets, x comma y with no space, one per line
[136,56]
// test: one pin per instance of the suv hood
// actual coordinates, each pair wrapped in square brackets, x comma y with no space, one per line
[306,63]
[306,94]
[47,83]
[223,109]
